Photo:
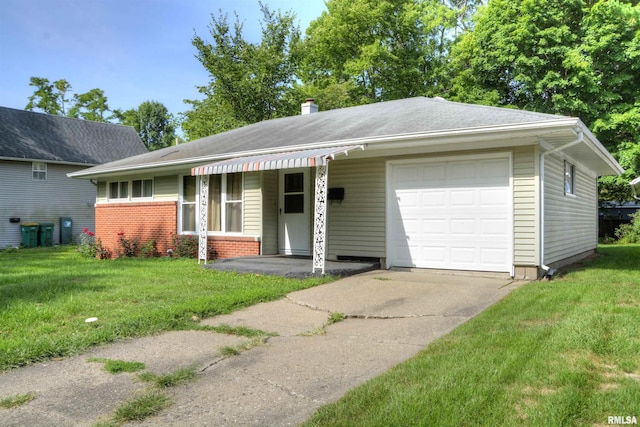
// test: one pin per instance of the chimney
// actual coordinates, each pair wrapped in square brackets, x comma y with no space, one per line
[309,107]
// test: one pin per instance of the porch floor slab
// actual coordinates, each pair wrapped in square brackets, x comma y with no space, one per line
[290,266]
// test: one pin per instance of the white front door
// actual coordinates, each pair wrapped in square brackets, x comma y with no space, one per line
[294,235]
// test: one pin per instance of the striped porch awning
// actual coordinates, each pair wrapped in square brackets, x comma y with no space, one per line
[286,160]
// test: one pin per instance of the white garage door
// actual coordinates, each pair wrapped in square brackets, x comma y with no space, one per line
[451,214]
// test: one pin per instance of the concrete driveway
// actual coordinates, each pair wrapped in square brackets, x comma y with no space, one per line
[390,316]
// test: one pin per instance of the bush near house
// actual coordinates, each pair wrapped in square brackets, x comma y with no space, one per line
[630,233]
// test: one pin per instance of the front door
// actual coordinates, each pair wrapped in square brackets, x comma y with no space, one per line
[294,235]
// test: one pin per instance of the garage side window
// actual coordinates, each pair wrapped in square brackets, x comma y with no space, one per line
[569,179]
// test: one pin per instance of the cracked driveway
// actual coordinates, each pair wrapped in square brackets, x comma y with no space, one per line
[389,317]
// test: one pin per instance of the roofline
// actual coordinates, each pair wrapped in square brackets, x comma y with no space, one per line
[597,147]
[58,162]
[550,125]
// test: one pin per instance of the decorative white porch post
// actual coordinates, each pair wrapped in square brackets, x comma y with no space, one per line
[320,218]
[203,214]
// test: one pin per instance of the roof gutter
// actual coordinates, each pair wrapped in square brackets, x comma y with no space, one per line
[580,138]
[550,125]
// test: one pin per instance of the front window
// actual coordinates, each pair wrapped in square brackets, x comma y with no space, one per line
[569,178]
[119,190]
[188,209]
[141,188]
[224,205]
[38,171]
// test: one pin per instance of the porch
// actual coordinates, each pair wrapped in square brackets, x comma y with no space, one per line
[296,267]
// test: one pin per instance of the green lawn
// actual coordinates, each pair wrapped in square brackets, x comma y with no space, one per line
[559,353]
[47,293]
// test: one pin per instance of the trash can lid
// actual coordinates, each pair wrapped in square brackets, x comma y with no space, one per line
[30,224]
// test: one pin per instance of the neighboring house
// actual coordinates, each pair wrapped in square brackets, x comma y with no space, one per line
[37,151]
[413,183]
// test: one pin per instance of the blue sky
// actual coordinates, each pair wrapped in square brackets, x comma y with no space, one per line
[134,50]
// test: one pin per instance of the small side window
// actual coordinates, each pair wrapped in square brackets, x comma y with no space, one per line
[38,171]
[569,178]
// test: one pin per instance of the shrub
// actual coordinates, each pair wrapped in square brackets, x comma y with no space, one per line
[149,249]
[129,247]
[91,247]
[630,233]
[185,246]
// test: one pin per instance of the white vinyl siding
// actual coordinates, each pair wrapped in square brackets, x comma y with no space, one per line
[525,205]
[43,201]
[356,226]
[270,212]
[571,226]
[252,204]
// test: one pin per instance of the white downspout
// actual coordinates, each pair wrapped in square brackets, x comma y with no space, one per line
[578,140]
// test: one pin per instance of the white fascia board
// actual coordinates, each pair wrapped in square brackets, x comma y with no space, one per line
[410,139]
[596,146]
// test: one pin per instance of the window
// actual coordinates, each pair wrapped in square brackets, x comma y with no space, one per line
[569,178]
[141,188]
[119,190]
[224,204]
[294,193]
[38,171]
[188,207]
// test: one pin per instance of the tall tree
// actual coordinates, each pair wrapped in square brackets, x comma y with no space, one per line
[153,123]
[91,105]
[249,81]
[383,49]
[571,57]
[50,98]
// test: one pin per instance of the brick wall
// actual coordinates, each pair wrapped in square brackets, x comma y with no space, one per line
[158,221]
[232,246]
[144,221]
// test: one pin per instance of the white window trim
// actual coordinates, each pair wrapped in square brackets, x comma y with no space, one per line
[572,192]
[35,170]
[223,213]
[129,197]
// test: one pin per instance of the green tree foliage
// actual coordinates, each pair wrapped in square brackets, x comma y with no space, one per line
[249,81]
[362,51]
[91,105]
[153,123]
[50,98]
[570,57]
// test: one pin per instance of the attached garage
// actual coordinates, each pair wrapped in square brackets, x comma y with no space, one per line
[451,213]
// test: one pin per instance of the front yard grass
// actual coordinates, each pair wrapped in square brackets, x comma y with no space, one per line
[559,353]
[46,294]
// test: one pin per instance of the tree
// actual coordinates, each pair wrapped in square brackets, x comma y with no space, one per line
[570,57]
[249,82]
[154,124]
[49,97]
[91,105]
[381,50]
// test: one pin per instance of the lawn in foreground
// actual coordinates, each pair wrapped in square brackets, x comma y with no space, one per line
[559,353]
[47,293]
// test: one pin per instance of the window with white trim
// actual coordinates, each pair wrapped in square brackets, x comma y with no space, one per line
[38,171]
[225,203]
[130,190]
[188,204]
[569,178]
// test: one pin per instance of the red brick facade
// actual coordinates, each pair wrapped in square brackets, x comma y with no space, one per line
[158,221]
[233,246]
[144,221]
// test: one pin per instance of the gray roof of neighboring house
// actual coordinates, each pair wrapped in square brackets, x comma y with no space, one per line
[49,138]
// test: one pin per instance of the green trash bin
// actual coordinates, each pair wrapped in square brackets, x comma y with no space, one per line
[45,234]
[29,234]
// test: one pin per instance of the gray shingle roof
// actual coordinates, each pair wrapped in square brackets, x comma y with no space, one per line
[401,117]
[37,136]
